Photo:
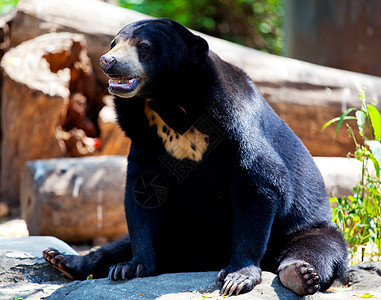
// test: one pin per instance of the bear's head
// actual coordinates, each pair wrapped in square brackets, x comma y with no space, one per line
[149,57]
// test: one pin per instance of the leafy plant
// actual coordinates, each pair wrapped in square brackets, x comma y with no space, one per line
[359,215]
[254,23]
[7,5]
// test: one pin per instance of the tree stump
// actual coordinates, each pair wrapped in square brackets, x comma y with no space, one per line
[50,105]
[75,199]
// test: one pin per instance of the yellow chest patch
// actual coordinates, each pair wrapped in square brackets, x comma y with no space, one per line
[192,144]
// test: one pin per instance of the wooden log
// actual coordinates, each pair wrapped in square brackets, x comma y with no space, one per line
[81,199]
[304,95]
[114,140]
[340,174]
[43,79]
[75,199]
[5,44]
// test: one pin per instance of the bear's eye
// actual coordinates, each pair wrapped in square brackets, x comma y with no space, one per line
[143,47]
[113,44]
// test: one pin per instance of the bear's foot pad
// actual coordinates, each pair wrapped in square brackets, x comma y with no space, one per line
[301,278]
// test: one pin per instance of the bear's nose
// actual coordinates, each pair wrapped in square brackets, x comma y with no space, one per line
[107,62]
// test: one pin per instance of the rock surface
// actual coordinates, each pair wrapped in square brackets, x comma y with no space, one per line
[178,286]
[24,273]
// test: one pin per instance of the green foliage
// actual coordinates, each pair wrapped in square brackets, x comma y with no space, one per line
[7,5]
[254,23]
[359,216]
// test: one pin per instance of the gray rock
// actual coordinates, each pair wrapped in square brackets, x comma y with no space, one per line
[366,276]
[24,273]
[168,287]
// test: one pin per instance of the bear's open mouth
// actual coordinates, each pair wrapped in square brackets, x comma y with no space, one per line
[122,85]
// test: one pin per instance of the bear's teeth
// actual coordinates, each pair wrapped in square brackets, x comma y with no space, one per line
[122,81]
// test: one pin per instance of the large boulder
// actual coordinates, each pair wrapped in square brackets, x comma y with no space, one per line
[179,286]
[24,273]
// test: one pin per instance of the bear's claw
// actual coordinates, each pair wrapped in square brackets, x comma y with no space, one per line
[58,260]
[242,280]
[125,271]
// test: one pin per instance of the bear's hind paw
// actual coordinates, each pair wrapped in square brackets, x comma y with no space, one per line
[301,277]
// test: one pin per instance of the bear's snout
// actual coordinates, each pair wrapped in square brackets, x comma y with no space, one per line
[107,62]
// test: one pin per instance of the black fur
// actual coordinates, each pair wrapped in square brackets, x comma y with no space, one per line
[255,201]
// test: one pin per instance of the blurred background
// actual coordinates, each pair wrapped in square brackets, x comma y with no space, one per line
[344,34]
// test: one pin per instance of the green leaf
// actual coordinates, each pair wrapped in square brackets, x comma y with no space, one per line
[17,298]
[340,119]
[330,122]
[362,94]
[361,119]
[375,147]
[376,165]
[375,118]
[366,295]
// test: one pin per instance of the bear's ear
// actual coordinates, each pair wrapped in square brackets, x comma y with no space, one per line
[201,49]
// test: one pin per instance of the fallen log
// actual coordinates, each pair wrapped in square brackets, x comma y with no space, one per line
[75,199]
[81,199]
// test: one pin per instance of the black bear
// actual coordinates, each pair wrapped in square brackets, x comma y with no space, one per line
[215,179]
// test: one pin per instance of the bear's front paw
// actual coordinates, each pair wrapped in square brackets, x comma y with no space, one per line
[129,270]
[242,280]
[73,266]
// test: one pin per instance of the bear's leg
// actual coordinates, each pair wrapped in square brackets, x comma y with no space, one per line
[312,260]
[253,214]
[96,262]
